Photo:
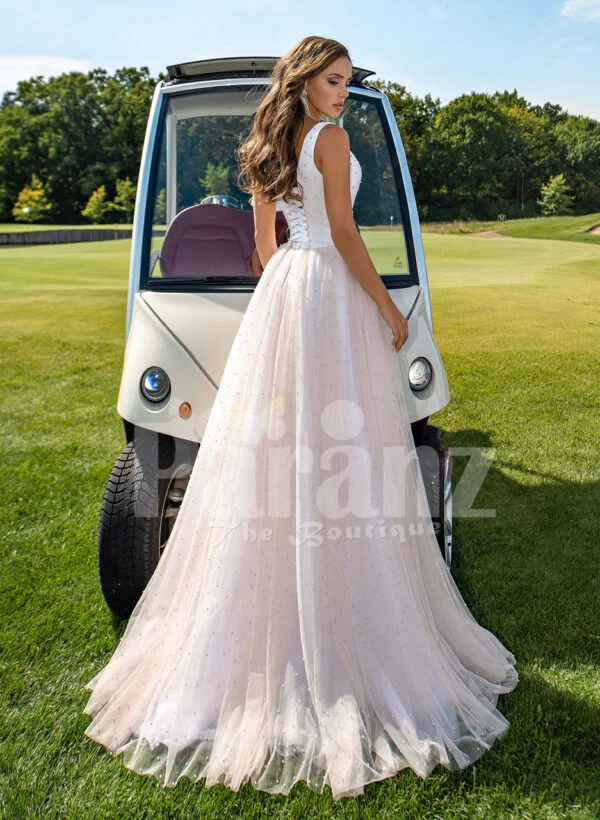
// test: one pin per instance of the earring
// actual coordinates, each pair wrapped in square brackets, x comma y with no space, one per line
[304,98]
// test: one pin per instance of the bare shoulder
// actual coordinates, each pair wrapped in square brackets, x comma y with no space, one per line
[332,142]
[333,138]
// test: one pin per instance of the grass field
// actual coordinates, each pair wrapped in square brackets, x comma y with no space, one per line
[518,327]
[570,228]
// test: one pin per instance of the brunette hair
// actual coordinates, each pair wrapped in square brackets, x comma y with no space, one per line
[266,157]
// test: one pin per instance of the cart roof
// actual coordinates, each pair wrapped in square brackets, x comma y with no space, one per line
[238,67]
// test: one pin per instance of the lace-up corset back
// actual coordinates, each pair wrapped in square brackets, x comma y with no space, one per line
[307,220]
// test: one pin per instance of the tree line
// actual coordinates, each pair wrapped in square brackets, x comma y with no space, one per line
[70,149]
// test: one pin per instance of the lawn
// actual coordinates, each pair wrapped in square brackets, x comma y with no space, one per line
[518,327]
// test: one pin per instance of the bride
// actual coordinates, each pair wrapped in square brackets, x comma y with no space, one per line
[302,624]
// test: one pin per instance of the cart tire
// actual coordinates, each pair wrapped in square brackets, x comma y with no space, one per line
[137,515]
[435,462]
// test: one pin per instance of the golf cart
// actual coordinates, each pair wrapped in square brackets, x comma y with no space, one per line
[192,274]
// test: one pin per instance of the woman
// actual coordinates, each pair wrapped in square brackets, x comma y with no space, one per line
[302,624]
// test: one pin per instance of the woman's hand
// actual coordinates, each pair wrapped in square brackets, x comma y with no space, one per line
[254,261]
[397,321]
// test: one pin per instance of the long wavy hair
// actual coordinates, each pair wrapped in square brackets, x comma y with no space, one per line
[266,157]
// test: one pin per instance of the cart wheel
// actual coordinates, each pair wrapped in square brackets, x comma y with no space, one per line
[140,505]
[435,462]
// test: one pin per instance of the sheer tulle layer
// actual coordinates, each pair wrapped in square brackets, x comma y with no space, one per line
[300,624]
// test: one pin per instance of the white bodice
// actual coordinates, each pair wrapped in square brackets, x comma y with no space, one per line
[308,221]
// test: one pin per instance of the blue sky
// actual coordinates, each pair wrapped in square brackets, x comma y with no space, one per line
[548,51]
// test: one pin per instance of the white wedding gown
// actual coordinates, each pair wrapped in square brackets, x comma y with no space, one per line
[300,626]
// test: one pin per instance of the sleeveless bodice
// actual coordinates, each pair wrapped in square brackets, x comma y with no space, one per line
[307,220]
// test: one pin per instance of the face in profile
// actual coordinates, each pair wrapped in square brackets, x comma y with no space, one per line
[327,91]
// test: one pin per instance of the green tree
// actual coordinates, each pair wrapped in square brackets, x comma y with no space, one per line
[476,156]
[123,204]
[535,156]
[124,100]
[77,131]
[471,157]
[160,208]
[577,141]
[32,204]
[97,207]
[415,118]
[215,179]
[554,200]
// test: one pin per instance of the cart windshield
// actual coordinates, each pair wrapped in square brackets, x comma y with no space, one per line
[200,225]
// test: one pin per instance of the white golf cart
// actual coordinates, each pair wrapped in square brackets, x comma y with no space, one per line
[192,274]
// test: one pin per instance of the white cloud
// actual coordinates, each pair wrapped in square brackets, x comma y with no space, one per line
[14,68]
[587,11]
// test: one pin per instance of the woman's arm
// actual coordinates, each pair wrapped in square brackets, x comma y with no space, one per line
[332,148]
[264,228]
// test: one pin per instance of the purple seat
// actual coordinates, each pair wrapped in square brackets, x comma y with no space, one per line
[211,240]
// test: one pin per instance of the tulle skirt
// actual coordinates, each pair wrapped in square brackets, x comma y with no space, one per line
[302,624]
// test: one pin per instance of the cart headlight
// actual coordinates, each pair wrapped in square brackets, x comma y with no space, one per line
[155,384]
[419,374]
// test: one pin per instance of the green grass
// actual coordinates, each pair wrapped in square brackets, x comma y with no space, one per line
[517,324]
[570,228]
